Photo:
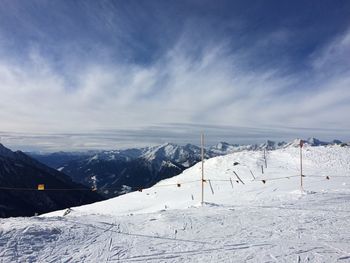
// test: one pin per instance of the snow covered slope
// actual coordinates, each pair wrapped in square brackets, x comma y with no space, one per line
[282,181]
[250,222]
[117,172]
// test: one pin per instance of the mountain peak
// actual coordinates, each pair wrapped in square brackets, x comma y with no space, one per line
[336,141]
[167,145]
[5,152]
[315,142]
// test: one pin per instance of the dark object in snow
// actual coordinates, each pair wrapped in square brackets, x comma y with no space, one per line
[67,211]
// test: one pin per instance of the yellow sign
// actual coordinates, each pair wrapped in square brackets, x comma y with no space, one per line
[41,187]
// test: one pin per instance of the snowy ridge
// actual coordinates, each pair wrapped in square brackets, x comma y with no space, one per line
[318,161]
[180,154]
[185,155]
[166,151]
[146,166]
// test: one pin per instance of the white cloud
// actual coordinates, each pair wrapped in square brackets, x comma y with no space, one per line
[334,56]
[208,87]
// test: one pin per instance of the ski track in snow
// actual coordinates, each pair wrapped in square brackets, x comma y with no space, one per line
[254,222]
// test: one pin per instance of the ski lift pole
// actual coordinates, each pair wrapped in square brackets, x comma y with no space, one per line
[202,155]
[301,165]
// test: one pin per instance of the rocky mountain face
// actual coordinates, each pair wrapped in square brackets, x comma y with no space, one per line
[20,176]
[117,172]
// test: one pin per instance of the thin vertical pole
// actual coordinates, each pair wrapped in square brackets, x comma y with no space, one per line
[301,165]
[265,158]
[202,154]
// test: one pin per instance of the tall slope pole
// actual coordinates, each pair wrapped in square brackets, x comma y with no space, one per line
[202,155]
[301,165]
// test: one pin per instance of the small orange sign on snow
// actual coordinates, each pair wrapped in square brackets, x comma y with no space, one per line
[41,187]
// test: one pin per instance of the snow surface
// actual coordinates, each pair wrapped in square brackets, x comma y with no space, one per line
[252,222]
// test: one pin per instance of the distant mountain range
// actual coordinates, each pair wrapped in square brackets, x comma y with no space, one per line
[117,172]
[20,175]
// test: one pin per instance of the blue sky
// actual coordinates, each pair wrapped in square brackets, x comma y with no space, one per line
[115,74]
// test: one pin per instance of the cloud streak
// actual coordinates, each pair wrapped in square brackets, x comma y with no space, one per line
[203,86]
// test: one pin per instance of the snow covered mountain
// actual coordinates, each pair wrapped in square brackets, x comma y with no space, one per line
[244,170]
[247,216]
[19,172]
[224,148]
[121,171]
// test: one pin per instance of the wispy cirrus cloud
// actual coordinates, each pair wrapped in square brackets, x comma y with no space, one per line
[199,80]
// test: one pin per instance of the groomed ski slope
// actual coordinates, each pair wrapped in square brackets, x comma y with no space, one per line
[251,222]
